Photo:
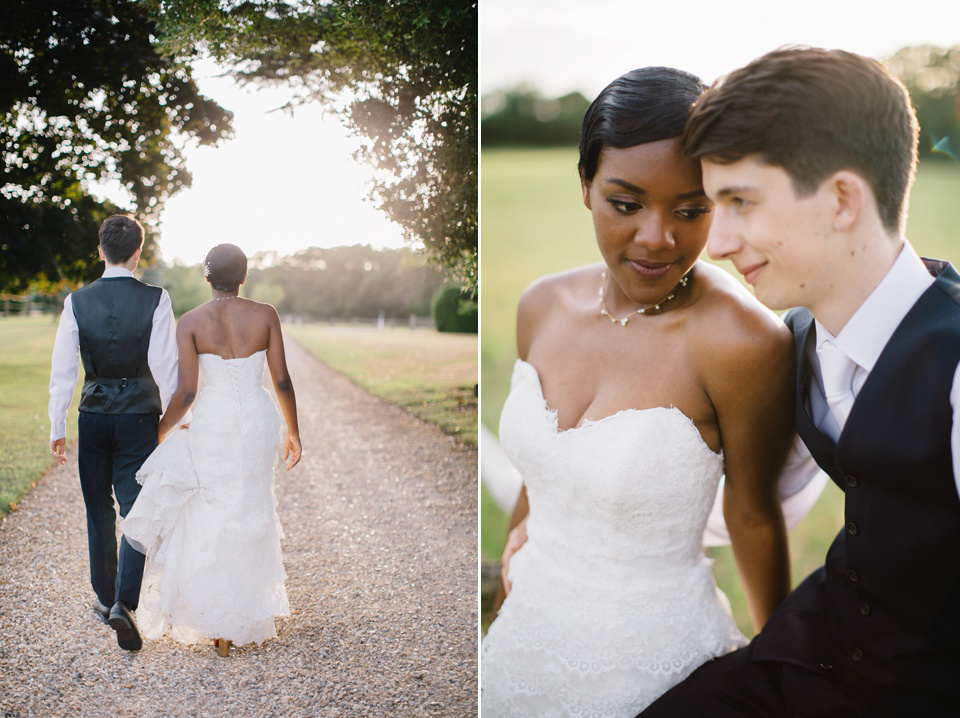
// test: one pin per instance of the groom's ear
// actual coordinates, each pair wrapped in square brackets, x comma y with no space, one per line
[850,194]
[100,252]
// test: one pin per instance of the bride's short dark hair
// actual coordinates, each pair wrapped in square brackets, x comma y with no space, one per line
[225,267]
[644,105]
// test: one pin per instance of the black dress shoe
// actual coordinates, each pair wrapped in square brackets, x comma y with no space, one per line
[103,613]
[121,621]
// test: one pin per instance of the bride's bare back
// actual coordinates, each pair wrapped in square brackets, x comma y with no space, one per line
[232,327]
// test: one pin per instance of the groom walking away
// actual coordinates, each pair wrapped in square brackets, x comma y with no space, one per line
[124,331]
[809,155]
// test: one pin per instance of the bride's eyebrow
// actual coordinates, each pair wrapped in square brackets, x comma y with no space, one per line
[626,185]
[693,194]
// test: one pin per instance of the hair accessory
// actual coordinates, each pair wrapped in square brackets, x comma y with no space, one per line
[643,310]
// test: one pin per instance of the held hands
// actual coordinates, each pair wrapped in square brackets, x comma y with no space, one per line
[57,450]
[515,539]
[162,435]
[291,449]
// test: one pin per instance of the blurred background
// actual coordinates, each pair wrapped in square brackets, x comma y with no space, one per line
[542,63]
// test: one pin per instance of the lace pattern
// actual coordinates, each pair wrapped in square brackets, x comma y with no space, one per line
[206,515]
[613,601]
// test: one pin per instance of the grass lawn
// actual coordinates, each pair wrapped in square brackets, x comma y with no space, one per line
[26,344]
[430,374]
[534,223]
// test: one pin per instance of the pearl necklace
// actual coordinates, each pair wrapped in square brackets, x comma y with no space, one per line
[643,310]
[229,296]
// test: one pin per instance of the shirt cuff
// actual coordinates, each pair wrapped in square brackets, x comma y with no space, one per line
[58,431]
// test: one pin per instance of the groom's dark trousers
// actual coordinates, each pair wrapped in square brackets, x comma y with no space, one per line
[117,425]
[875,632]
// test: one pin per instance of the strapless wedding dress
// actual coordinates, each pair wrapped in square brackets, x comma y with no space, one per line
[206,516]
[613,601]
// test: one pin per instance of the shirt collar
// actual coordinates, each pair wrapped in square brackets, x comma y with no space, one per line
[111,272]
[863,338]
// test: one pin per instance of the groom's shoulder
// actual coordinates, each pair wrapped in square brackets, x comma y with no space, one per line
[797,319]
[124,284]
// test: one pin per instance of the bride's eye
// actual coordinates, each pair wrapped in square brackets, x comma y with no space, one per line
[624,206]
[692,213]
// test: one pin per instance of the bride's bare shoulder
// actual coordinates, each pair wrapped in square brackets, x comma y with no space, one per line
[552,291]
[561,292]
[733,327]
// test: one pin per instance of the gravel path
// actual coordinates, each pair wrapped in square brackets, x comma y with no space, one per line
[381,554]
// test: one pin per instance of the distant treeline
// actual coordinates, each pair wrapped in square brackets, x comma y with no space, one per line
[324,284]
[523,117]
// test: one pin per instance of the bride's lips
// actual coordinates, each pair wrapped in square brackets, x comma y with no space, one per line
[750,273]
[649,270]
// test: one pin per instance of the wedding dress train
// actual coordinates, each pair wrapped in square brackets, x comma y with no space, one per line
[206,515]
[613,601]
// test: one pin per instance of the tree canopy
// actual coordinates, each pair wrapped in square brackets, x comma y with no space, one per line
[86,99]
[401,74]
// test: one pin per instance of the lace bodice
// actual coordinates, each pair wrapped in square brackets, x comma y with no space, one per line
[241,376]
[627,488]
[613,600]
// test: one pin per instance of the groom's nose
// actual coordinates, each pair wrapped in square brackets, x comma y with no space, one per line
[723,239]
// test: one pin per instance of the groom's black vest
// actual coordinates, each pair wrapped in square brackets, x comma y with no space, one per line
[882,617]
[114,317]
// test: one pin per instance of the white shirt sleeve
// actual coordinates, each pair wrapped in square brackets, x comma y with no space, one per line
[65,368]
[955,429]
[162,352]
[800,484]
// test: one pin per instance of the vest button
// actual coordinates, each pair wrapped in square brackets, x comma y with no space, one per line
[852,528]
[856,654]
[852,482]
[853,575]
[826,666]
[864,609]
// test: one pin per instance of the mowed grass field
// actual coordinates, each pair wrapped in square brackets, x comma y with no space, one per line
[534,223]
[431,374]
[26,344]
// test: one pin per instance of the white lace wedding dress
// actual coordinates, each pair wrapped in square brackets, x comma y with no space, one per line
[613,601]
[206,516]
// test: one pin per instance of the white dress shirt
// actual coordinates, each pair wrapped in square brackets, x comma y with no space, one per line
[161,357]
[869,330]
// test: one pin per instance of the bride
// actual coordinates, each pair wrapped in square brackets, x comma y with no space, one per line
[206,516]
[641,380]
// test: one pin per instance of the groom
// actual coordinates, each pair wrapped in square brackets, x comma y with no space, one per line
[124,331]
[809,155]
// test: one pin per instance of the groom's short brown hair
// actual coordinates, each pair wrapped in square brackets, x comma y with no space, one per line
[813,112]
[120,236]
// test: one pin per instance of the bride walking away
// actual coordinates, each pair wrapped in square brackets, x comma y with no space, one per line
[206,515]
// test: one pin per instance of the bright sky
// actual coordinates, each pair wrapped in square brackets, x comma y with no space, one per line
[283,183]
[564,45]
